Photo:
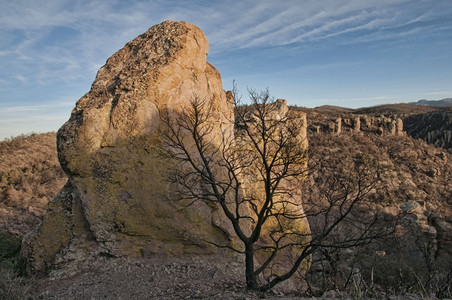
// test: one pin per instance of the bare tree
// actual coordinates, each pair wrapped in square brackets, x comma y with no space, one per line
[254,174]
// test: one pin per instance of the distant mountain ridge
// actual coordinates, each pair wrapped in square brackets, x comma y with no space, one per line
[440,103]
[409,108]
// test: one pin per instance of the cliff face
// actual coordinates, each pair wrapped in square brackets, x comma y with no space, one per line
[117,201]
[435,127]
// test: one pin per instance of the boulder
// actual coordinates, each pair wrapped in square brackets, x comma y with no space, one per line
[117,197]
[431,232]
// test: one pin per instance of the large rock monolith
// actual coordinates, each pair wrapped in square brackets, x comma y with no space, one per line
[117,201]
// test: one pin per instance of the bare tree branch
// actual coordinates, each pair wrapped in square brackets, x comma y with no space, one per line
[254,174]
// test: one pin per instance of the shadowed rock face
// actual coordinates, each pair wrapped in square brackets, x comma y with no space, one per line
[433,127]
[116,201]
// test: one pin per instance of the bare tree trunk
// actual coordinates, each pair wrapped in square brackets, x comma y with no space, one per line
[268,143]
[251,281]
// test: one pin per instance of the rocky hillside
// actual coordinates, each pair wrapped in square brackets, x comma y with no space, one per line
[30,175]
[414,170]
[415,183]
[415,186]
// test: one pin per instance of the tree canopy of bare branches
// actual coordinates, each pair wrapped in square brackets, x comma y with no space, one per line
[254,169]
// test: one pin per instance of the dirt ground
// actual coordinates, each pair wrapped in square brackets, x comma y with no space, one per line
[156,278]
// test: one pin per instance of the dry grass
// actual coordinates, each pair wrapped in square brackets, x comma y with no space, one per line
[13,286]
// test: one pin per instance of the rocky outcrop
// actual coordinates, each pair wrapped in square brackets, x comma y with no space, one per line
[432,232]
[396,127]
[383,125]
[338,126]
[415,218]
[357,124]
[347,123]
[117,201]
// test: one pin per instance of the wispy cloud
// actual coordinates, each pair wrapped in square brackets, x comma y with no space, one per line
[61,42]
[64,39]
[39,107]
[21,78]
[366,20]
[16,126]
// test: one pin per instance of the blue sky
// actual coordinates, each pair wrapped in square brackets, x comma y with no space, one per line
[351,53]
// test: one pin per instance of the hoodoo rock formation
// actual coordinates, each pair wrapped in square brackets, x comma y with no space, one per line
[346,123]
[117,201]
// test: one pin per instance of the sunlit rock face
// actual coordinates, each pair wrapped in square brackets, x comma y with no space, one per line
[117,201]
